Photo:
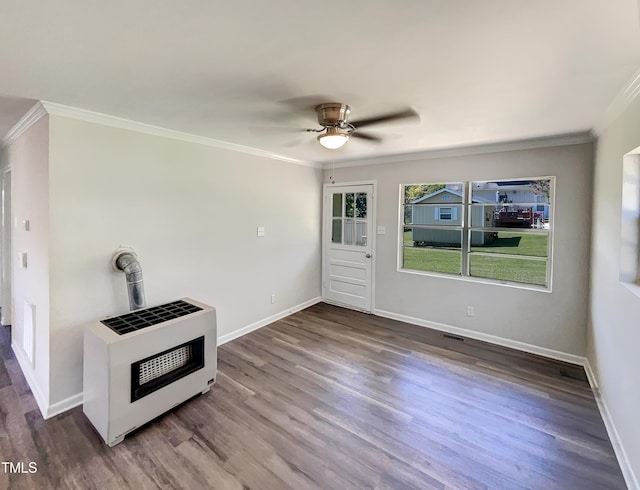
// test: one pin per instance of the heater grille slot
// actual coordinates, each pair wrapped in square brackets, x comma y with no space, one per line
[161,365]
[155,372]
[137,320]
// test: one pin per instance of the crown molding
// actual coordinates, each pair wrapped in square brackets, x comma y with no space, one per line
[457,151]
[130,125]
[620,103]
[31,117]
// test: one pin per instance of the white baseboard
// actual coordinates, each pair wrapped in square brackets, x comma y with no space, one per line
[27,370]
[614,437]
[266,321]
[591,376]
[64,405]
[46,410]
[493,339]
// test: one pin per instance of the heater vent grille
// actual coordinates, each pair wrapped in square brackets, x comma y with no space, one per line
[161,369]
[161,365]
[137,320]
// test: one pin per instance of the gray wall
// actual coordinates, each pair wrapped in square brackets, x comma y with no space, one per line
[29,160]
[191,213]
[550,320]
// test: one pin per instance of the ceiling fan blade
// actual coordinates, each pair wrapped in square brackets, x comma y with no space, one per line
[276,130]
[394,116]
[366,136]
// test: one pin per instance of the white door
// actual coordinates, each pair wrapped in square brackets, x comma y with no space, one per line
[347,245]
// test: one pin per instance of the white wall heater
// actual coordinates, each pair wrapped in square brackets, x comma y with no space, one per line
[139,365]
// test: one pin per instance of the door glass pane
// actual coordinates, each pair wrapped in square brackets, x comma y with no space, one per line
[361,205]
[337,206]
[349,232]
[336,230]
[348,204]
[361,233]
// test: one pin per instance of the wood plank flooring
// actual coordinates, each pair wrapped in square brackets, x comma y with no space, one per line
[334,399]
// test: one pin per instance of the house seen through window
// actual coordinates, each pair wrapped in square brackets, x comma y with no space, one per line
[496,230]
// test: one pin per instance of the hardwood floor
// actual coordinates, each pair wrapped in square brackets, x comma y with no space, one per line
[334,399]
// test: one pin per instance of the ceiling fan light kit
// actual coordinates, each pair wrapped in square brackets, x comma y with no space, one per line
[333,138]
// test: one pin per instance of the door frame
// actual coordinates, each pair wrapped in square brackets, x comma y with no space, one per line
[374,231]
[6,246]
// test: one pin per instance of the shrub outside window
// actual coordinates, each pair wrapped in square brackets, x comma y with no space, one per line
[497,230]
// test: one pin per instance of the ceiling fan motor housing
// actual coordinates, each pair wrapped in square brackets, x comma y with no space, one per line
[333,114]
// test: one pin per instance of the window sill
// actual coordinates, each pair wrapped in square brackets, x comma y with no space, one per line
[634,288]
[490,282]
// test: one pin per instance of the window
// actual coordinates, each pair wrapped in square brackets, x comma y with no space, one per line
[445,214]
[496,230]
[630,225]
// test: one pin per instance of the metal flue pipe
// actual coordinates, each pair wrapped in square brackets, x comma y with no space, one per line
[127,262]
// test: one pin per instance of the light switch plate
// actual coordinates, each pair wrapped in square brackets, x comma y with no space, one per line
[260,230]
[381,230]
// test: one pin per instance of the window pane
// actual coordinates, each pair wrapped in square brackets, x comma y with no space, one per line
[512,191]
[361,205]
[433,237]
[510,216]
[337,206]
[432,250]
[348,204]
[511,204]
[336,231]
[433,193]
[433,214]
[526,271]
[510,242]
[446,261]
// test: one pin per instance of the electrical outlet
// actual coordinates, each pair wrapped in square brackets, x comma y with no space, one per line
[471,311]
[273,299]
[260,231]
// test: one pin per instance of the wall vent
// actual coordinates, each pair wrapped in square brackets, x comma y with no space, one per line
[453,337]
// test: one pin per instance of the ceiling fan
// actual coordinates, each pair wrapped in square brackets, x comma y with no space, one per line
[337,129]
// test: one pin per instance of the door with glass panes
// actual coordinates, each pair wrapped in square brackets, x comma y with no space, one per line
[347,245]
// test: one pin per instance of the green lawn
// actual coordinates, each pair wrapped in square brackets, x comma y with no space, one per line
[508,269]
[447,260]
[432,259]
[514,243]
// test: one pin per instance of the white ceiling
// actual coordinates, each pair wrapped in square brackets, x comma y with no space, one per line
[477,71]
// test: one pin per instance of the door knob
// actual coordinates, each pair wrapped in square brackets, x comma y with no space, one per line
[368,256]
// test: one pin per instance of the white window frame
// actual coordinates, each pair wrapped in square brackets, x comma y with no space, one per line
[466,230]
[450,214]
